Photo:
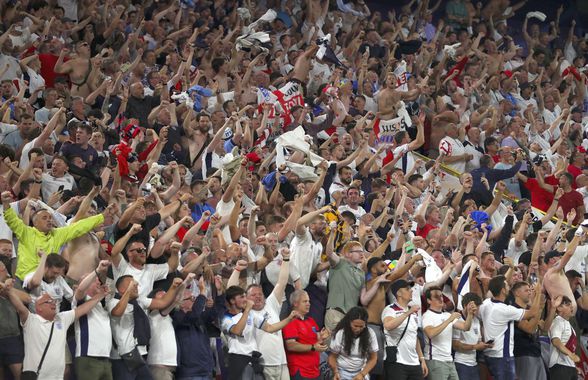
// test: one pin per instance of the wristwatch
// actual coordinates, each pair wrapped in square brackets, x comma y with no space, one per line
[312,348]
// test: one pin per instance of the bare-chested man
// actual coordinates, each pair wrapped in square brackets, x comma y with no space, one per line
[85,252]
[555,281]
[388,97]
[79,69]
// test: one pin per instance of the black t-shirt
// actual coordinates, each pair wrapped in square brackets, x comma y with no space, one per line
[150,223]
[525,344]
[174,138]
[140,108]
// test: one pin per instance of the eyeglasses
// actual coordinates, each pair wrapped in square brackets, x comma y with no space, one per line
[356,251]
[139,250]
[188,299]
[49,301]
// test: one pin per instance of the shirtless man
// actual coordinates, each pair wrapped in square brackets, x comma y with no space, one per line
[80,69]
[388,97]
[555,281]
[315,14]
[85,252]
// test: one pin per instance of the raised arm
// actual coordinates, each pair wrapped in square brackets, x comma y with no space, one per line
[121,243]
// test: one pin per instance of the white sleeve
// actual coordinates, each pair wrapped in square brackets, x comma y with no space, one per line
[556,330]
[336,346]
[513,314]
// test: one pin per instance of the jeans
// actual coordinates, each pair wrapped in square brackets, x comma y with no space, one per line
[465,372]
[501,368]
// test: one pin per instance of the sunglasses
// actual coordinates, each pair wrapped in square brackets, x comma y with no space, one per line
[139,250]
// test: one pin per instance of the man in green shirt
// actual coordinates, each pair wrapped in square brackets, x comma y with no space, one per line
[346,279]
[43,235]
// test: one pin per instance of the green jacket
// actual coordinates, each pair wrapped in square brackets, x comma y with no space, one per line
[31,240]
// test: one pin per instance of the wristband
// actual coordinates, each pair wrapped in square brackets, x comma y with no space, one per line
[38,181]
[286,260]
[312,348]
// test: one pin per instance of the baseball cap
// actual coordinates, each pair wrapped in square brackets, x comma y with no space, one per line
[397,285]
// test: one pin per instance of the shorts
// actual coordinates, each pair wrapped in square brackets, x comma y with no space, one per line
[11,350]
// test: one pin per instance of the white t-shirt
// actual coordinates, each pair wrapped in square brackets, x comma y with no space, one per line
[123,328]
[243,344]
[51,184]
[5,231]
[578,261]
[515,252]
[498,319]
[163,349]
[305,256]
[562,329]
[272,271]
[407,347]
[93,333]
[58,289]
[36,332]
[224,209]
[439,347]
[403,150]
[472,336]
[270,345]
[451,148]
[145,277]
[352,362]
[359,212]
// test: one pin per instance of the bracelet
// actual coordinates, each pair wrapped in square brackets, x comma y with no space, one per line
[38,181]
[312,347]
[421,358]
[286,260]
[556,199]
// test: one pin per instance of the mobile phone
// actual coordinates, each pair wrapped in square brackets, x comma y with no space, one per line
[60,188]
[491,341]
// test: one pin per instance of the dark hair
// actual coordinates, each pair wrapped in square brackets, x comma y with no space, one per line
[485,160]
[55,261]
[38,151]
[7,151]
[344,324]
[216,64]
[488,141]
[469,297]
[430,290]
[399,136]
[232,292]
[121,279]
[86,127]
[569,177]
[414,177]
[517,285]
[496,284]
[571,274]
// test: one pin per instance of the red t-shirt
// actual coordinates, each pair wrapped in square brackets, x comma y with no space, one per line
[423,232]
[48,68]
[304,331]
[540,198]
[572,200]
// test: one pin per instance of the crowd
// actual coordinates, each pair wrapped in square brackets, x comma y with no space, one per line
[313,189]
